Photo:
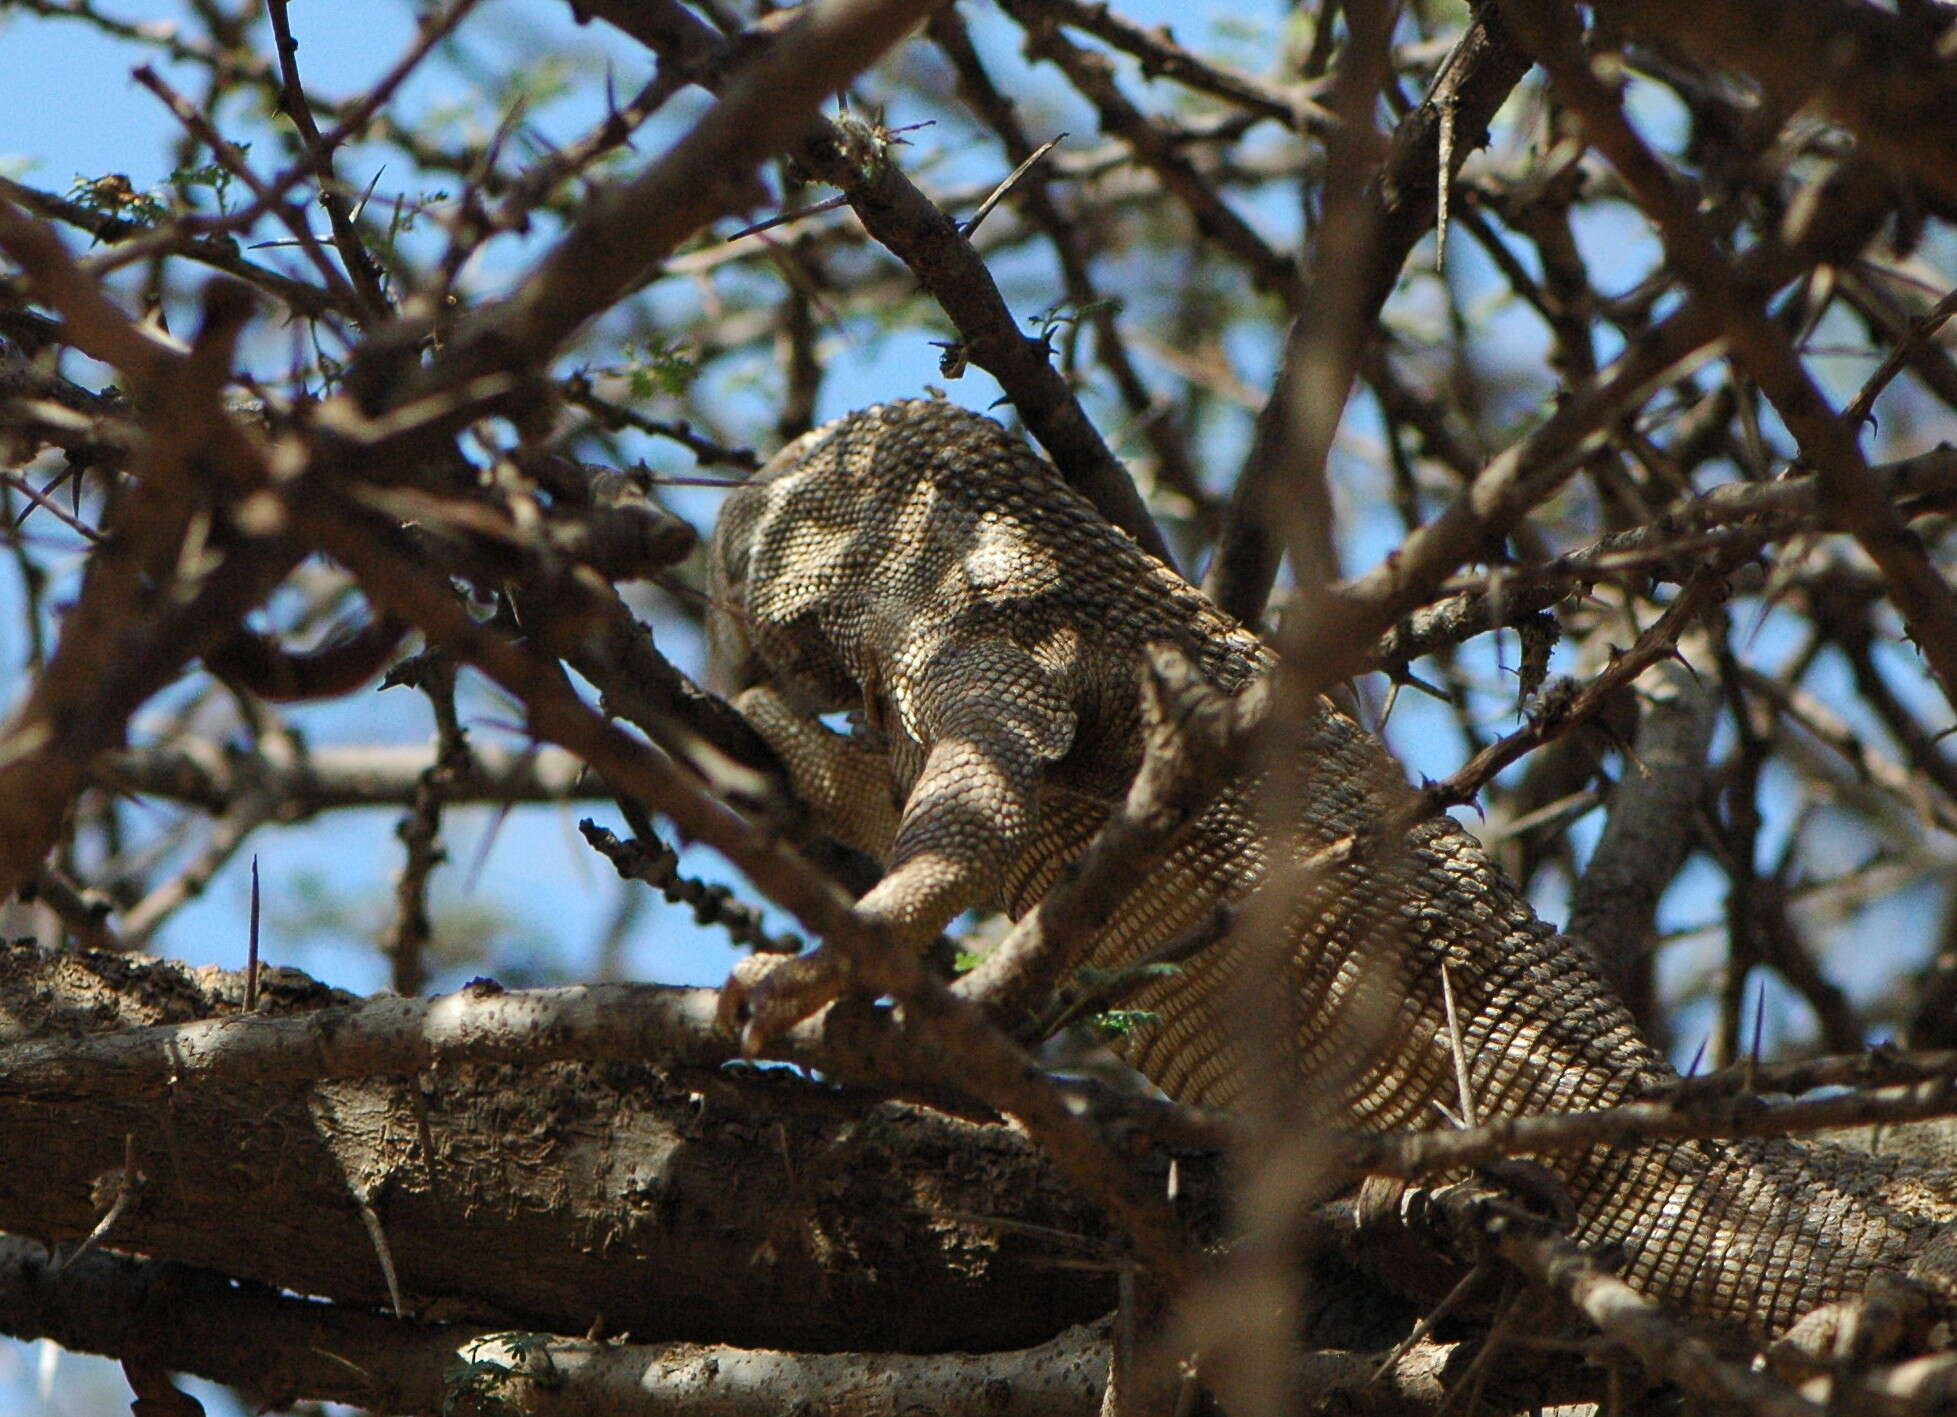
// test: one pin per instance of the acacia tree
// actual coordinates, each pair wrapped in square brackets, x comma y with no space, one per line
[1641,307]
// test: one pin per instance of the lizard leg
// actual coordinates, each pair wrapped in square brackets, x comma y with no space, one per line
[963,817]
[843,780]
[970,810]
[845,783]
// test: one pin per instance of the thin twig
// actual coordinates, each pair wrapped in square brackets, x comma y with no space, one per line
[1926,326]
[971,223]
[251,944]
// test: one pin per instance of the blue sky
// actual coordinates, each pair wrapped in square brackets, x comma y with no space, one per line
[530,872]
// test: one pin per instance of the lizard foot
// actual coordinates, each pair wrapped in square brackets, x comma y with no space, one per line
[768,994]
[1880,1323]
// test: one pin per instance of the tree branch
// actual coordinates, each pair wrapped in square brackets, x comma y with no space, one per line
[281,1349]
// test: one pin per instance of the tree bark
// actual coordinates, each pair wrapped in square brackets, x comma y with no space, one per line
[737,1207]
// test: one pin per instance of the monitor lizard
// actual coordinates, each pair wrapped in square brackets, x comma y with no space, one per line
[917,565]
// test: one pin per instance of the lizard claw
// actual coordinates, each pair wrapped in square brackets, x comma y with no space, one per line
[768,994]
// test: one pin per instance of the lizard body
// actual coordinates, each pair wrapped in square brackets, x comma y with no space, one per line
[920,567]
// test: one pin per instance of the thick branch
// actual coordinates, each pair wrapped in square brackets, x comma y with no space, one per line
[1648,832]
[280,1349]
[693,1205]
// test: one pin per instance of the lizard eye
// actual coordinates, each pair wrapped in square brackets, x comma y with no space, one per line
[874,717]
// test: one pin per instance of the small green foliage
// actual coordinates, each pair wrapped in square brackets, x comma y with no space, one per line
[660,367]
[477,1384]
[1119,1023]
[526,1345]
[114,195]
[965,961]
[408,213]
[213,176]
[403,216]
[1064,313]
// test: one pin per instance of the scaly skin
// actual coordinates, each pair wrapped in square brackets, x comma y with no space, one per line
[917,565]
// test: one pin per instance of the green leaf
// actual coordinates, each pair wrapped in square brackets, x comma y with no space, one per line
[1119,1023]
[659,367]
[114,195]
